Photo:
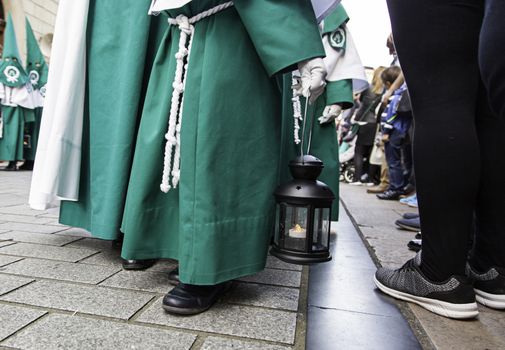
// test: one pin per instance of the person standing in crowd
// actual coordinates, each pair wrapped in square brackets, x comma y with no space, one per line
[396,123]
[91,172]
[451,57]
[37,70]
[366,118]
[16,101]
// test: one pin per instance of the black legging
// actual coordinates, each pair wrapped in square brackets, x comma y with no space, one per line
[451,52]
[361,152]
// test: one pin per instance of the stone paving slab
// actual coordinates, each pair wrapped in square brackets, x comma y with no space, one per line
[60,270]
[234,320]
[78,333]
[140,280]
[264,296]
[20,209]
[39,238]
[47,252]
[9,283]
[91,300]
[26,219]
[13,318]
[275,277]
[77,232]
[215,343]
[6,243]
[22,226]
[274,263]
[5,260]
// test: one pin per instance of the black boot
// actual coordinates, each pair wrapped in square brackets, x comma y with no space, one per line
[190,299]
[173,277]
[11,166]
[27,165]
[138,264]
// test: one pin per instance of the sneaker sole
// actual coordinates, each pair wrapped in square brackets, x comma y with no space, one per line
[442,308]
[408,228]
[493,301]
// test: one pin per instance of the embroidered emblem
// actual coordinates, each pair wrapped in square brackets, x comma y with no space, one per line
[34,77]
[12,74]
[338,39]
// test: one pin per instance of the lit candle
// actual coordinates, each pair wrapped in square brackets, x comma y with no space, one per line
[298,232]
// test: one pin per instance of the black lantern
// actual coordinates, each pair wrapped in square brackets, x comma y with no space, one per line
[303,219]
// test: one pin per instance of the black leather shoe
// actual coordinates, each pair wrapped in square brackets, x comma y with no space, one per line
[415,245]
[410,215]
[173,277]
[27,165]
[409,224]
[138,264]
[11,166]
[190,299]
[390,195]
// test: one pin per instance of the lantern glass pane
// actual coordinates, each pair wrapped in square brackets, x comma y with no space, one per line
[295,232]
[321,229]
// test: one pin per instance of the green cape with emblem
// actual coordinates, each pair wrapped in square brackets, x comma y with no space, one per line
[12,73]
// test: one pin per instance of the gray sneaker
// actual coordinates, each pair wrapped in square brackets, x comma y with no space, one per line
[454,298]
[489,286]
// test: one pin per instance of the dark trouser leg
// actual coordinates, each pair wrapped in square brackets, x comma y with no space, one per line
[437,42]
[490,210]
[358,162]
[394,159]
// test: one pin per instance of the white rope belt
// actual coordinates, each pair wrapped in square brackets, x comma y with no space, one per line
[173,135]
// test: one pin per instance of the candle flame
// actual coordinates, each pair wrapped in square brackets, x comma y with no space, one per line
[298,228]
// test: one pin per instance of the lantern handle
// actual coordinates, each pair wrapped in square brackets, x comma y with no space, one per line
[304,125]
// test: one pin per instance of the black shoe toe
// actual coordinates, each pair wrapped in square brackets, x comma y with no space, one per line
[189,299]
[138,264]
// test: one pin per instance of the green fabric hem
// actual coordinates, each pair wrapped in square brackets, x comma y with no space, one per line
[340,92]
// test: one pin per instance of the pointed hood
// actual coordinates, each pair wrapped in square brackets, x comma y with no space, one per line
[12,72]
[36,65]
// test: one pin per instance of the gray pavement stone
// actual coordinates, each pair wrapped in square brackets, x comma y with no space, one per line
[6,243]
[22,226]
[275,277]
[264,296]
[47,252]
[40,238]
[26,219]
[274,263]
[21,210]
[78,333]
[107,258]
[5,260]
[60,270]
[74,231]
[13,318]
[164,266]
[9,283]
[216,343]
[91,300]
[92,243]
[242,321]
[140,280]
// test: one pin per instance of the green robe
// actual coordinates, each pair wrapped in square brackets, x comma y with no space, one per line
[218,221]
[33,129]
[11,144]
[121,44]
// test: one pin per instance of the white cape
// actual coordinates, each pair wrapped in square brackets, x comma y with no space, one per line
[345,65]
[58,161]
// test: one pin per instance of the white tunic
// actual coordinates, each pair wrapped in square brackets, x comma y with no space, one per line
[56,172]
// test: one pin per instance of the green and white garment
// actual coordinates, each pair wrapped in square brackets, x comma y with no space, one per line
[16,100]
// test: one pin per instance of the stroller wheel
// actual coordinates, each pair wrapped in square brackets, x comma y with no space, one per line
[349,174]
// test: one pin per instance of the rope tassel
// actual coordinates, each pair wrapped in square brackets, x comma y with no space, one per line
[173,135]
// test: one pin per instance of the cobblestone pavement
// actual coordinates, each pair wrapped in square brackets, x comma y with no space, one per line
[61,289]
[388,246]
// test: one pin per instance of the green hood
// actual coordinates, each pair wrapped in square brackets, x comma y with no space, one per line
[36,65]
[12,72]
